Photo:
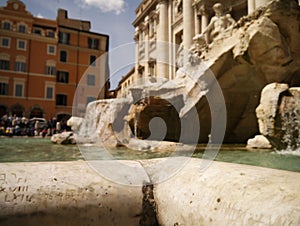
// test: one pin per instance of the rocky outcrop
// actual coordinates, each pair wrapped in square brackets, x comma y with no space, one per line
[105,122]
[279,115]
[63,138]
[262,48]
[74,123]
[214,98]
[259,142]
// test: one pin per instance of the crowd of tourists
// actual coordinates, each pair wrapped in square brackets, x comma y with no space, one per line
[22,126]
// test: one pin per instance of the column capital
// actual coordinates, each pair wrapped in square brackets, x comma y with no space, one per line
[153,15]
[136,36]
[143,26]
[202,10]
[159,3]
[201,7]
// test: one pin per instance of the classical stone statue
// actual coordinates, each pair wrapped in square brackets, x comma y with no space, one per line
[218,23]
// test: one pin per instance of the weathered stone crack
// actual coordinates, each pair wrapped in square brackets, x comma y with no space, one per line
[148,216]
[149,208]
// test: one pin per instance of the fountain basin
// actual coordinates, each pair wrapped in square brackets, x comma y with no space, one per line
[72,193]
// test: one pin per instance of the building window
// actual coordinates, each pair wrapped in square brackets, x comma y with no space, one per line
[20,66]
[6,25]
[62,77]
[93,43]
[50,70]
[37,31]
[5,42]
[91,80]
[142,36]
[50,34]
[4,64]
[51,50]
[49,92]
[61,99]
[64,38]
[21,44]
[22,28]
[3,88]
[63,56]
[4,61]
[93,60]
[18,90]
[90,99]
[152,67]
[152,29]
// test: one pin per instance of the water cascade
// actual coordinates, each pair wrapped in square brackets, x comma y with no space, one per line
[278,116]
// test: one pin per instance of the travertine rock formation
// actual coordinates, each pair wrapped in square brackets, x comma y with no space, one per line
[279,115]
[104,122]
[259,142]
[219,93]
[262,48]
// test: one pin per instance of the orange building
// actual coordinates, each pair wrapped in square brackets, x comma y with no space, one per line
[44,62]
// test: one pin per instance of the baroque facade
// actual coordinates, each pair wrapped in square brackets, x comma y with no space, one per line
[163,26]
[42,62]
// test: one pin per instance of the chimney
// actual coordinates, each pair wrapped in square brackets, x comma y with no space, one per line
[62,14]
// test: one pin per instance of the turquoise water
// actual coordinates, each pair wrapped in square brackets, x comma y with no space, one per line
[23,149]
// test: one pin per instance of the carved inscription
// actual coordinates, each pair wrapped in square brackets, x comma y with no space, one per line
[13,188]
[16,189]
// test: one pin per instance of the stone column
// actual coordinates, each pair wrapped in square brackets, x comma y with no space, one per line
[197,22]
[259,3]
[162,40]
[136,39]
[251,6]
[146,44]
[188,24]
[204,21]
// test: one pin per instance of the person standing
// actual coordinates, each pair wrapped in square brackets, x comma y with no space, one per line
[36,128]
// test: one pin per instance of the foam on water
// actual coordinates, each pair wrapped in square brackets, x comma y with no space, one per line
[289,152]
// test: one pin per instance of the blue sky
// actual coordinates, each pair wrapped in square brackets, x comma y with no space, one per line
[111,17]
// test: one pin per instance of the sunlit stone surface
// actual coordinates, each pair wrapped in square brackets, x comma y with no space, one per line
[201,193]
[228,194]
[64,193]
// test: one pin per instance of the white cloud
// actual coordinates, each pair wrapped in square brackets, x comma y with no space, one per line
[39,15]
[116,6]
